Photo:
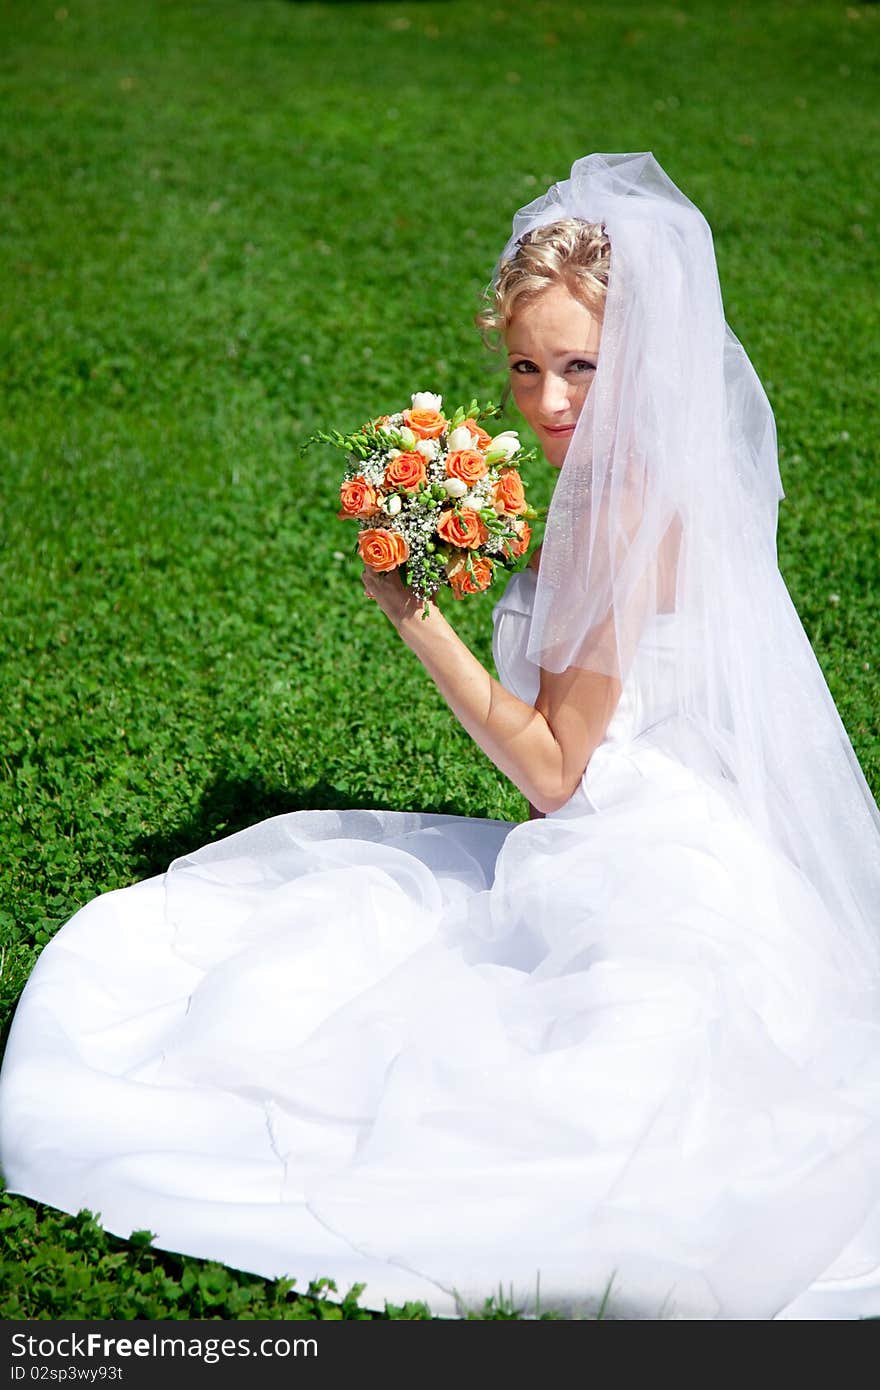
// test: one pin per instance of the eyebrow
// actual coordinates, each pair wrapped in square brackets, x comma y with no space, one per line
[567,352]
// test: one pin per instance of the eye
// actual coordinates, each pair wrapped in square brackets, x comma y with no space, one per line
[580,366]
[524,367]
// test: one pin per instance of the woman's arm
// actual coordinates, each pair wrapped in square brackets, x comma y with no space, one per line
[542,749]
[534,562]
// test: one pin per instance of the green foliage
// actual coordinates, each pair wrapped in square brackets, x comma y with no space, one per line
[58,1266]
[225,226]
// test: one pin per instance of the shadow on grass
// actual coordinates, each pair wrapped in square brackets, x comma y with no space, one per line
[232,803]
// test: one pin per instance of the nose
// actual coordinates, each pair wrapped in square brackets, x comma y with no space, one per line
[554,396]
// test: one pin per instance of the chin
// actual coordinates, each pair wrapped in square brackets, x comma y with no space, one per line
[555,451]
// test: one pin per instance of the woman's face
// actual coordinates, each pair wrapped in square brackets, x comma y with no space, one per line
[553,346]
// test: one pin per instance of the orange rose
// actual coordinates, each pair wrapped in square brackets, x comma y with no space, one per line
[465,528]
[466,464]
[358,498]
[408,471]
[382,550]
[426,424]
[508,492]
[520,545]
[461,582]
[483,439]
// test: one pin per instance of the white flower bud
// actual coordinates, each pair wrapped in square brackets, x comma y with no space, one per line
[426,400]
[460,438]
[407,436]
[393,504]
[503,446]
[455,487]
[428,448]
[394,453]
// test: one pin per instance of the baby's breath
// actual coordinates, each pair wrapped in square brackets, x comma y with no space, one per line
[416,512]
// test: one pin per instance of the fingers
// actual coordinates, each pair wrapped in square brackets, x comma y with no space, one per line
[376,583]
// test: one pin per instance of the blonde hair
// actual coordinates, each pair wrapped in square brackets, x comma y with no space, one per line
[569,252]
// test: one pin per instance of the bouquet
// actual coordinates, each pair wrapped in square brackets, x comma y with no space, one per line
[439,499]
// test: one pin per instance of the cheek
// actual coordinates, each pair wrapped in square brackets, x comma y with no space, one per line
[522,396]
[586,387]
[578,395]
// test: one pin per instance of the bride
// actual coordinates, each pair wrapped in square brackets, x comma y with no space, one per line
[624,1054]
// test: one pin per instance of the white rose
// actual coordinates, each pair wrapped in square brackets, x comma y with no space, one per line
[455,487]
[460,438]
[407,436]
[393,504]
[503,446]
[426,400]
[428,448]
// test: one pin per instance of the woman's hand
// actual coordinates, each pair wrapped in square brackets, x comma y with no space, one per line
[397,601]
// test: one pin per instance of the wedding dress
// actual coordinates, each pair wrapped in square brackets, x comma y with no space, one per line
[605,1054]
[625,1057]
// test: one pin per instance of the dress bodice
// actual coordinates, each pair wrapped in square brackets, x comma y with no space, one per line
[648,698]
[648,695]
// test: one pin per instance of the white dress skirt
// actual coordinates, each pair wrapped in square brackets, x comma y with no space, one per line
[600,1060]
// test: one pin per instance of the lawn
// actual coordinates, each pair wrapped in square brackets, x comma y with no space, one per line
[226,224]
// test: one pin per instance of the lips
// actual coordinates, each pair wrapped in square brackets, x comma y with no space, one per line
[557,429]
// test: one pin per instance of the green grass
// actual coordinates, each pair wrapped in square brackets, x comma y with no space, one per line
[224,225]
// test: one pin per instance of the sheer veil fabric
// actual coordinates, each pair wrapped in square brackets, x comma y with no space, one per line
[667,502]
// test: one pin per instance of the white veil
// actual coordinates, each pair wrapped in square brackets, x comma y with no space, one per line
[667,502]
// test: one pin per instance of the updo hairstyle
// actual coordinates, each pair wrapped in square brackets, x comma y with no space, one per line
[570,252]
